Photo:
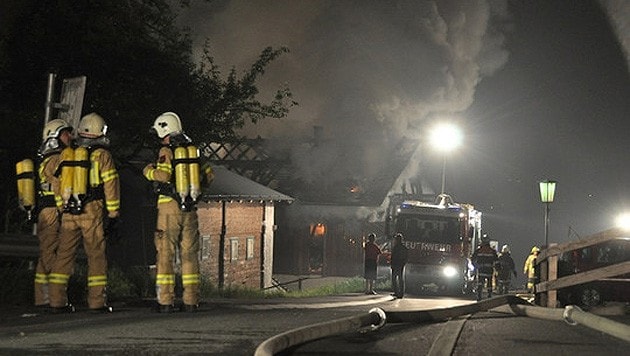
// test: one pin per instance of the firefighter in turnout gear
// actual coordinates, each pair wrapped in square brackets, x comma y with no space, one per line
[56,136]
[90,190]
[177,178]
[530,268]
[484,259]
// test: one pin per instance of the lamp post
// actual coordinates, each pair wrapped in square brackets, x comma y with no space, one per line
[445,138]
[547,192]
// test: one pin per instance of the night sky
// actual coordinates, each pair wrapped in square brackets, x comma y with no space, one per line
[540,88]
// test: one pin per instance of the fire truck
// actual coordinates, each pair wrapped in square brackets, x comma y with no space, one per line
[441,237]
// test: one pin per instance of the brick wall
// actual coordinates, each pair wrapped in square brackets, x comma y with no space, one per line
[243,222]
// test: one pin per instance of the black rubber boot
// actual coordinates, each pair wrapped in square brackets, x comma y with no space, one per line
[68,308]
[166,309]
[102,310]
[187,308]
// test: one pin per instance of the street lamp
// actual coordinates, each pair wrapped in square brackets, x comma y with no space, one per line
[445,138]
[623,221]
[547,192]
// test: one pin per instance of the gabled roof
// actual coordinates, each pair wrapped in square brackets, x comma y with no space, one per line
[228,185]
[326,171]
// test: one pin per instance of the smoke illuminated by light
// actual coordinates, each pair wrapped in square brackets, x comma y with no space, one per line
[618,12]
[369,73]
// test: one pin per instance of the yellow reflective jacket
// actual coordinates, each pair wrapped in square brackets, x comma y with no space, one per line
[530,263]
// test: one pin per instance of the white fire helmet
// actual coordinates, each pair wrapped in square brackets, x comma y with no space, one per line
[92,126]
[505,249]
[166,124]
[53,128]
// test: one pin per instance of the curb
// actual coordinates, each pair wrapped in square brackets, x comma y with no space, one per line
[301,303]
[317,305]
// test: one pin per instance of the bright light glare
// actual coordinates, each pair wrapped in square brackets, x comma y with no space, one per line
[623,221]
[450,271]
[446,137]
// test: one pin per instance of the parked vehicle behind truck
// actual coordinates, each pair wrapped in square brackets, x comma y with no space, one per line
[602,255]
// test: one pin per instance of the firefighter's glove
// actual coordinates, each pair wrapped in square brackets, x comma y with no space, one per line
[110,227]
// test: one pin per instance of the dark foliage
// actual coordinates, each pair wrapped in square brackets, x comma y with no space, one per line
[138,64]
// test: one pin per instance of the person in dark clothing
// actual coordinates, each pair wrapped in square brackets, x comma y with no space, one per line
[372,251]
[505,269]
[483,259]
[399,260]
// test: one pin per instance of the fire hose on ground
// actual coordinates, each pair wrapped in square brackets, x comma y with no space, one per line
[377,318]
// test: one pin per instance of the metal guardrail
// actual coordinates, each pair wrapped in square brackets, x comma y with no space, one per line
[277,284]
[19,246]
[25,247]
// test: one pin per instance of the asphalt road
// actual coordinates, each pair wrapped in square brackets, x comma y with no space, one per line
[230,327]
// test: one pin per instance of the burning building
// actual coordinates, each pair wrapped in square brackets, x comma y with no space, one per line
[336,204]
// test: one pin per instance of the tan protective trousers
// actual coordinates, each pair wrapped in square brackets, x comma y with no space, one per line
[47,232]
[531,280]
[177,230]
[88,225]
[530,271]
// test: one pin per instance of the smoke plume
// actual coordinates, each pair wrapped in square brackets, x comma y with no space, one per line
[370,73]
[618,12]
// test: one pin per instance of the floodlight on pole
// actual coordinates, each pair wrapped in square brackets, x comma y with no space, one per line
[547,193]
[445,138]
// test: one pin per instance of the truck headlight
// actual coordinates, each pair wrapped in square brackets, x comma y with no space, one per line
[449,271]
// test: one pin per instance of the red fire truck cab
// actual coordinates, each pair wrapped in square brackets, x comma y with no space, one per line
[440,237]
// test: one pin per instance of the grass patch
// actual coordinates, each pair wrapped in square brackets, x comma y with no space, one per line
[352,285]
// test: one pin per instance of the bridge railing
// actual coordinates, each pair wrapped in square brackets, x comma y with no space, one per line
[548,261]
[24,247]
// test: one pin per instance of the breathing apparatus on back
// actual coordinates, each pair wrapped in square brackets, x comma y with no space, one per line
[75,164]
[187,177]
[52,143]
[186,166]
[25,170]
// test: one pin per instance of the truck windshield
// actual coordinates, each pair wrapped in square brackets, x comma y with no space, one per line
[428,228]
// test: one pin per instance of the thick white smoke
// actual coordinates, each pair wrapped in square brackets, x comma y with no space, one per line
[368,72]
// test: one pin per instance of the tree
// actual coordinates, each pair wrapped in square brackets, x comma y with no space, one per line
[234,100]
[138,64]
